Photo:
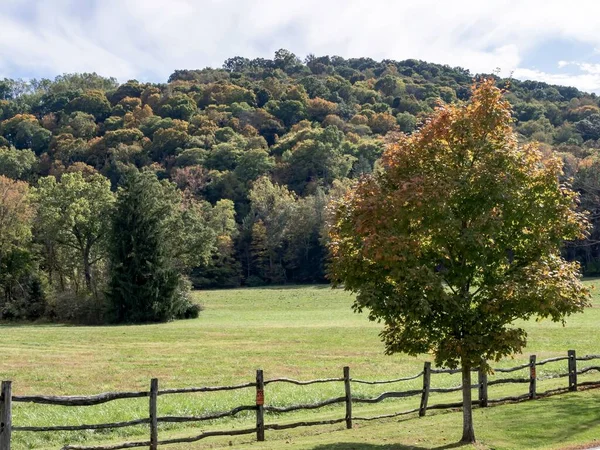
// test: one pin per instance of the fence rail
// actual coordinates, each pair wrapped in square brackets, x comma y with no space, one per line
[6,400]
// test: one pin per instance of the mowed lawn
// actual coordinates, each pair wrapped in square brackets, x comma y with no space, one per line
[298,332]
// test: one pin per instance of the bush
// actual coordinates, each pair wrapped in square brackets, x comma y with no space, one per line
[185,308]
[254,281]
[29,304]
[192,311]
[81,308]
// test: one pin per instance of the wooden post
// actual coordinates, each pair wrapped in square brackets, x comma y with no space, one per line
[153,415]
[426,385]
[483,388]
[532,378]
[260,409]
[572,371]
[6,415]
[348,397]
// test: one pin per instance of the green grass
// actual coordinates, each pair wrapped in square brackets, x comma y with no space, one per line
[297,332]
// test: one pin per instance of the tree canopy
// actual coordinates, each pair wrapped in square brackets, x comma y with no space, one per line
[457,236]
[309,127]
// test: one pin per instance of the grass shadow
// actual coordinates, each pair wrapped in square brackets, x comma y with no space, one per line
[7,324]
[360,446]
[564,417]
[270,287]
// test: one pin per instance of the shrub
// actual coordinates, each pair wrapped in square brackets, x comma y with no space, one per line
[82,308]
[185,308]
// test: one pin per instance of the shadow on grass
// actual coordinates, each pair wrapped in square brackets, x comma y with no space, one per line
[554,419]
[7,324]
[358,446]
[272,287]
[567,418]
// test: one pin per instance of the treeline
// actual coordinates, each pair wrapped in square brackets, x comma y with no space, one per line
[220,176]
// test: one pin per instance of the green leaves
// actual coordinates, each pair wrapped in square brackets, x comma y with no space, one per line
[73,219]
[459,235]
[158,236]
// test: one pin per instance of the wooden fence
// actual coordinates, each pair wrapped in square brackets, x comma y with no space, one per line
[6,399]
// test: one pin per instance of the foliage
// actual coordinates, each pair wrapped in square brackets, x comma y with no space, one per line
[307,126]
[73,219]
[22,293]
[458,236]
[16,164]
[155,237]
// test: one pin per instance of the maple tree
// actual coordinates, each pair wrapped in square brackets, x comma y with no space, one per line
[16,215]
[16,268]
[457,236]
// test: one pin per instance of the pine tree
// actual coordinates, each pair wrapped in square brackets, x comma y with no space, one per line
[144,280]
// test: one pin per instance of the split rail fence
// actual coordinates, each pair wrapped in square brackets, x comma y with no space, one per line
[7,398]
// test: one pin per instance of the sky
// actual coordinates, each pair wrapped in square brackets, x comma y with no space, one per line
[555,41]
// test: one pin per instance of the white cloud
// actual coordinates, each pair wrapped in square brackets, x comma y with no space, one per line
[151,38]
[587,78]
[585,81]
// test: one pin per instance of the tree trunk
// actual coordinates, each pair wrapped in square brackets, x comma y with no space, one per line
[87,268]
[468,436]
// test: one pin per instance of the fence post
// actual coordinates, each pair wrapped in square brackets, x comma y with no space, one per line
[483,388]
[153,415]
[532,378]
[572,370]
[260,409]
[348,397]
[6,416]
[426,385]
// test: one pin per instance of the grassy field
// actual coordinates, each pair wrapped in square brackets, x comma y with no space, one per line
[298,332]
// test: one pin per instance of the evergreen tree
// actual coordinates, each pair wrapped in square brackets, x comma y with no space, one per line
[144,281]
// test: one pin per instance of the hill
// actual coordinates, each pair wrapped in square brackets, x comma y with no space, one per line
[277,137]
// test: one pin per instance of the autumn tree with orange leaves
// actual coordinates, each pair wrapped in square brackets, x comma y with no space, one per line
[457,236]
[16,218]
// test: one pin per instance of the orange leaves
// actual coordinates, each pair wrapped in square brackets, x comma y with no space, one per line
[16,214]
[458,235]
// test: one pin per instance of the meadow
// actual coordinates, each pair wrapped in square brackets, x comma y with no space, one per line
[298,332]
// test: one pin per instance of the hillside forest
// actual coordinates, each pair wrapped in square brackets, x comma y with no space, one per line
[117,199]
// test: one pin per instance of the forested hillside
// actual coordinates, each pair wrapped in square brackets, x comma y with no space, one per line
[248,156]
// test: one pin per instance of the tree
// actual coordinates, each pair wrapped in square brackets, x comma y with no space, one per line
[20,289]
[457,237]
[288,111]
[156,238]
[222,270]
[305,254]
[589,127]
[143,279]
[287,61]
[80,125]
[271,209]
[179,106]
[24,132]
[318,108]
[587,182]
[167,142]
[16,215]
[75,214]
[253,164]
[381,123]
[93,102]
[16,164]
[321,159]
